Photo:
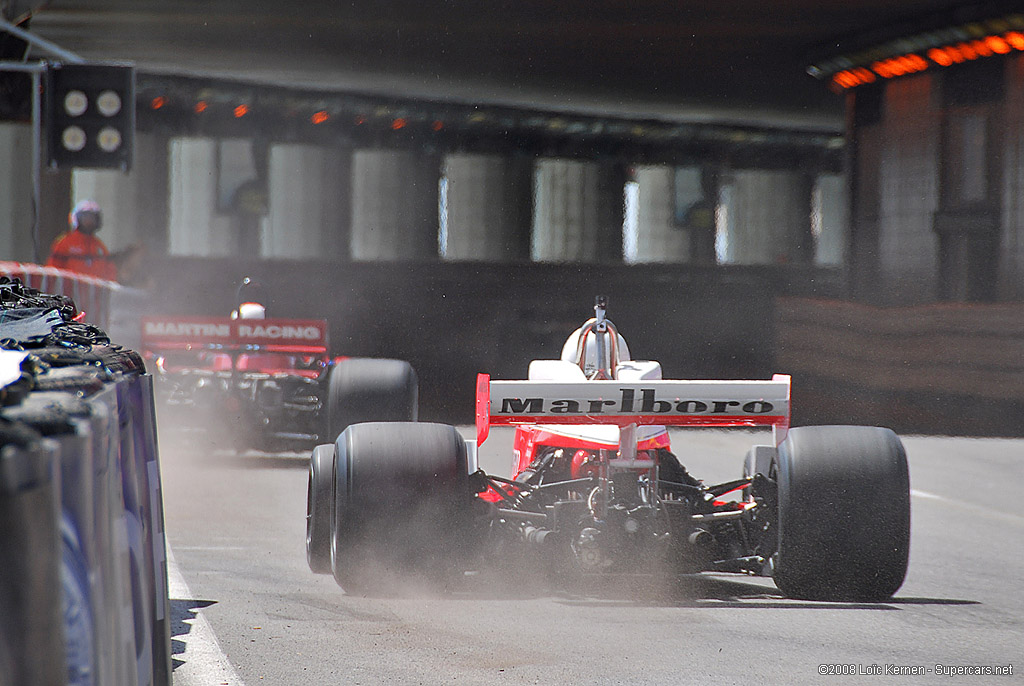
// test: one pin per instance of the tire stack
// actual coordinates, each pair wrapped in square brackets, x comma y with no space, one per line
[82,568]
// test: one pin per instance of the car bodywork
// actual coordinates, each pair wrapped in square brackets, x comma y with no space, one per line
[595,488]
[264,378]
[593,466]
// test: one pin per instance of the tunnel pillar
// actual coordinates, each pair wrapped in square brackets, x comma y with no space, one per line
[831,219]
[196,226]
[769,217]
[659,237]
[578,211]
[16,242]
[676,214]
[308,208]
[394,205]
[488,207]
[895,153]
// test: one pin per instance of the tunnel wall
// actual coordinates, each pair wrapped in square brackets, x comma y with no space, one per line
[453,320]
[937,172]
[938,368]
[942,369]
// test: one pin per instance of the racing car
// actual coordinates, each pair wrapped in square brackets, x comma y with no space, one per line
[268,384]
[596,489]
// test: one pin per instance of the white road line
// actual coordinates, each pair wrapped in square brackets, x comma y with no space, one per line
[203,662]
[974,508]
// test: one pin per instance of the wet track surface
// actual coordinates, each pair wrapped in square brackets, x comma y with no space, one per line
[236,528]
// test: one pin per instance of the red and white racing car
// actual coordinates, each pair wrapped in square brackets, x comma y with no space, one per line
[596,489]
[268,384]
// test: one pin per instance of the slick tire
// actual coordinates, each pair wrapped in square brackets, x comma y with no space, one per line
[402,502]
[319,508]
[370,390]
[843,514]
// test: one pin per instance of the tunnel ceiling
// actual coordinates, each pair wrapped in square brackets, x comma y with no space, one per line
[743,61]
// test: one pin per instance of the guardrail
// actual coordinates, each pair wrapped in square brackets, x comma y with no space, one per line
[92,295]
[83,572]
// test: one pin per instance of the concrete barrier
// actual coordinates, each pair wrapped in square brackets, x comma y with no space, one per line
[82,568]
[31,621]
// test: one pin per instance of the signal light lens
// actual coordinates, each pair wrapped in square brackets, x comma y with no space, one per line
[109,139]
[108,103]
[158,102]
[241,111]
[320,117]
[73,138]
[75,103]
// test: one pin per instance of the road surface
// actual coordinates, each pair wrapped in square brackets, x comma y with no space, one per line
[249,611]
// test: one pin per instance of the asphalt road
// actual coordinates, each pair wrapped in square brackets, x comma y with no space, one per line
[236,529]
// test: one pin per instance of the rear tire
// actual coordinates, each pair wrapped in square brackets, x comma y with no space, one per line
[319,504]
[402,502]
[371,390]
[843,514]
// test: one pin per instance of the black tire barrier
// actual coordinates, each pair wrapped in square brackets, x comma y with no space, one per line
[83,569]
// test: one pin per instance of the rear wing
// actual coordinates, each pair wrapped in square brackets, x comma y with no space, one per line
[303,336]
[632,403]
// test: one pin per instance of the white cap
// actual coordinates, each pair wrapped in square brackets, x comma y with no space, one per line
[251,311]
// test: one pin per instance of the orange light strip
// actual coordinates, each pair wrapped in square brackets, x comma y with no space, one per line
[944,56]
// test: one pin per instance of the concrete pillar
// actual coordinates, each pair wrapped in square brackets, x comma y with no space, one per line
[16,221]
[195,227]
[135,204]
[769,218]
[830,222]
[489,207]
[895,162]
[659,237]
[578,211]
[308,190]
[394,205]
[908,182]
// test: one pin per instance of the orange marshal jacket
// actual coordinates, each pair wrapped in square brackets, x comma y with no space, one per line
[82,253]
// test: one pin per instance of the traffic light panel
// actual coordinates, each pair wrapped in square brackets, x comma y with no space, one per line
[90,115]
